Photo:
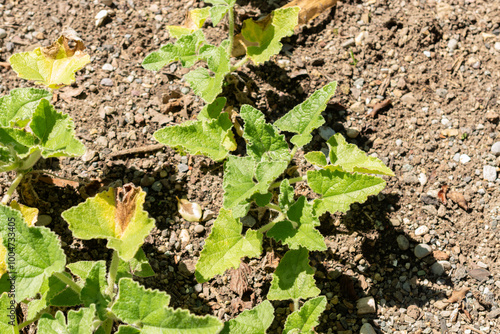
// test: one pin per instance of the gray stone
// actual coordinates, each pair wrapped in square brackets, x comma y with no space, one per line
[357,107]
[88,155]
[441,92]
[348,43]
[422,250]
[101,17]
[198,288]
[366,305]
[325,132]
[107,82]
[102,141]
[157,186]
[367,329]
[44,220]
[3,33]
[421,230]
[199,229]
[409,99]
[489,173]
[464,158]
[108,67]
[403,242]
[187,267]
[497,46]
[452,44]
[182,168]
[147,181]
[352,132]
[437,269]
[495,148]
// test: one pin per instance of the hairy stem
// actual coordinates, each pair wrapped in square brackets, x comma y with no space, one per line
[274,207]
[296,304]
[268,226]
[239,64]
[292,181]
[294,150]
[31,160]
[113,269]
[69,282]
[231,30]
[12,188]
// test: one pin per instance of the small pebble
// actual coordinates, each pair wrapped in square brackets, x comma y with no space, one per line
[422,178]
[403,242]
[452,44]
[157,186]
[489,173]
[248,221]
[101,17]
[44,220]
[464,158]
[107,82]
[352,132]
[348,43]
[199,229]
[182,168]
[325,132]
[366,305]
[495,148]
[422,250]
[108,67]
[421,230]
[3,33]
[367,329]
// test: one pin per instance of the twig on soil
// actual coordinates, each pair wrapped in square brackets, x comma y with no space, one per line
[473,329]
[379,107]
[141,149]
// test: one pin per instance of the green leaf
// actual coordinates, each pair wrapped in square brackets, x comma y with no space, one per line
[185,49]
[340,189]
[221,2]
[254,321]
[265,36]
[56,132]
[17,108]
[293,278]
[81,269]
[302,233]
[53,66]
[352,159]
[127,330]
[306,318]
[217,13]
[212,110]
[262,199]
[138,266]
[316,158]
[306,117]
[212,138]
[225,247]
[94,289]
[148,310]
[79,322]
[286,196]
[239,185]
[205,84]
[8,317]
[116,215]
[194,21]
[264,141]
[38,252]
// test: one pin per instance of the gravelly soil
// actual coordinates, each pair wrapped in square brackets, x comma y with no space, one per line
[437,61]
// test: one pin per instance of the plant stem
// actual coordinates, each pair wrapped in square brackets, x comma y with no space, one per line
[268,226]
[69,282]
[239,64]
[113,269]
[274,207]
[294,150]
[292,181]
[12,188]
[231,30]
[296,304]
[31,160]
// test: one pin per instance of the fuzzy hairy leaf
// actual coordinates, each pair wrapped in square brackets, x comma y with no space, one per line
[352,159]
[194,21]
[17,108]
[306,117]
[340,189]
[212,110]
[53,66]
[149,311]
[254,321]
[316,158]
[185,50]
[137,266]
[293,278]
[217,13]
[79,322]
[305,319]
[208,84]
[212,138]
[6,322]
[127,330]
[263,37]
[302,233]
[239,185]
[38,252]
[94,289]
[264,143]
[116,215]
[225,247]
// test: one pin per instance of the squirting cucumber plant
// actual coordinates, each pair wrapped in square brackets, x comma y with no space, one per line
[343,177]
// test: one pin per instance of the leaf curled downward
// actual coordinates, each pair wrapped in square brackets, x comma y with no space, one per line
[53,66]
[115,215]
[190,211]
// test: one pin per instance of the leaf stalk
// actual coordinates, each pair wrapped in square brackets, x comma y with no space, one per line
[69,282]
[12,188]
[292,181]
[268,226]
[231,30]
[113,269]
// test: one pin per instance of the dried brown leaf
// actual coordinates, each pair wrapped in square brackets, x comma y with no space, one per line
[459,199]
[125,199]
[458,295]
[442,194]
[239,279]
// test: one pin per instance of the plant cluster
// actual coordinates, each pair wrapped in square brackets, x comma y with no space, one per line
[33,267]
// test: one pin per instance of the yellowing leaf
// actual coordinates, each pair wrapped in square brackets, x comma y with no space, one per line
[53,66]
[115,215]
[194,20]
[29,214]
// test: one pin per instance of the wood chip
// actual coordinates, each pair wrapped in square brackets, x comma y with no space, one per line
[383,105]
[458,295]
[459,199]
[479,274]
